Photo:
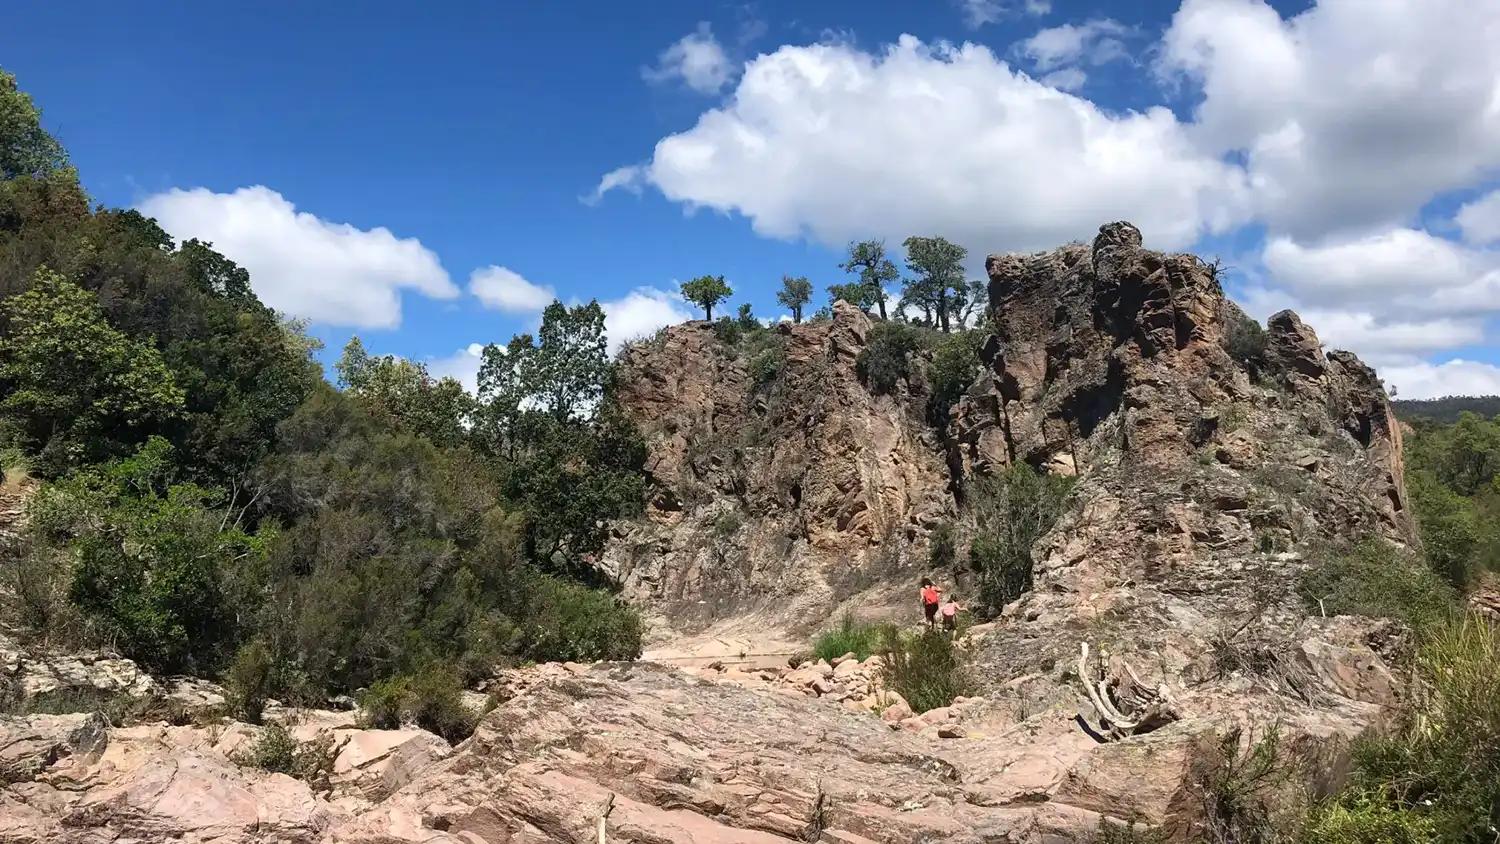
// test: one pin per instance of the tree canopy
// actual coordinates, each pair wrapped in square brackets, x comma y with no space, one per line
[706,291]
[876,271]
[794,294]
[210,503]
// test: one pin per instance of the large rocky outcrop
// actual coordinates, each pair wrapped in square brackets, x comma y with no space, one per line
[782,496]
[1199,440]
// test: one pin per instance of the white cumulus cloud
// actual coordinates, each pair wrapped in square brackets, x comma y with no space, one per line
[830,141]
[698,59]
[1480,219]
[1331,129]
[1454,378]
[1351,114]
[331,273]
[641,312]
[505,290]
[462,365]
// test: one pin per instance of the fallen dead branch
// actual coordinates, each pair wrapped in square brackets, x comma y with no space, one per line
[1125,704]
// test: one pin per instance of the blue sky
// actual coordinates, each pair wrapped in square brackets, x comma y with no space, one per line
[1342,159]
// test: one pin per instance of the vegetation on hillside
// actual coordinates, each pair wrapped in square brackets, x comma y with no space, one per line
[1445,410]
[210,504]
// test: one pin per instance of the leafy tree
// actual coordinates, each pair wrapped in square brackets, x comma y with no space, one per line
[26,149]
[563,372]
[155,562]
[794,293]
[876,271]
[706,291]
[745,316]
[939,290]
[433,408]
[885,361]
[955,364]
[75,387]
[567,471]
[855,293]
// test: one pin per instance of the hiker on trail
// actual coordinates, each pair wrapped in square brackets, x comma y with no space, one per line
[949,612]
[931,595]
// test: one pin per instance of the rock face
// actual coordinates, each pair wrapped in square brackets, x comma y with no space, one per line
[807,487]
[1199,440]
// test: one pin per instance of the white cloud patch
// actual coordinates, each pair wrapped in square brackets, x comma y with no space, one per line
[1453,378]
[978,13]
[641,312]
[330,273]
[1067,79]
[505,290]
[1352,114]
[462,365]
[1093,42]
[1480,219]
[697,59]
[937,138]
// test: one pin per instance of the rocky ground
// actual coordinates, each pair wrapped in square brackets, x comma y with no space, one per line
[706,755]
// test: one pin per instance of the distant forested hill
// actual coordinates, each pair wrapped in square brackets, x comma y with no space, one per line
[1446,409]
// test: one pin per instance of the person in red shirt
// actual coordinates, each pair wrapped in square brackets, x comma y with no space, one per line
[931,596]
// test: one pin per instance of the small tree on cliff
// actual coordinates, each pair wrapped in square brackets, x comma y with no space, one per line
[938,290]
[705,291]
[794,293]
[868,258]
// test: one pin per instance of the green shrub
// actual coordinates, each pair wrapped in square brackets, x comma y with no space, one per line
[925,668]
[432,699]
[1246,341]
[850,636]
[1367,821]
[274,751]
[1450,528]
[1443,763]
[1012,510]
[569,622]
[766,365]
[277,751]
[941,550]
[955,364]
[249,681]
[1376,579]
[885,361]
[1127,833]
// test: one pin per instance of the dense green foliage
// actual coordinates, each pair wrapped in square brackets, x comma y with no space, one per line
[1451,476]
[1374,578]
[212,505]
[1012,509]
[868,260]
[924,667]
[794,293]
[850,637]
[887,358]
[1247,342]
[706,291]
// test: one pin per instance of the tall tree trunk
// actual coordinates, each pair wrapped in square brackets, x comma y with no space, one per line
[708,312]
[880,298]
